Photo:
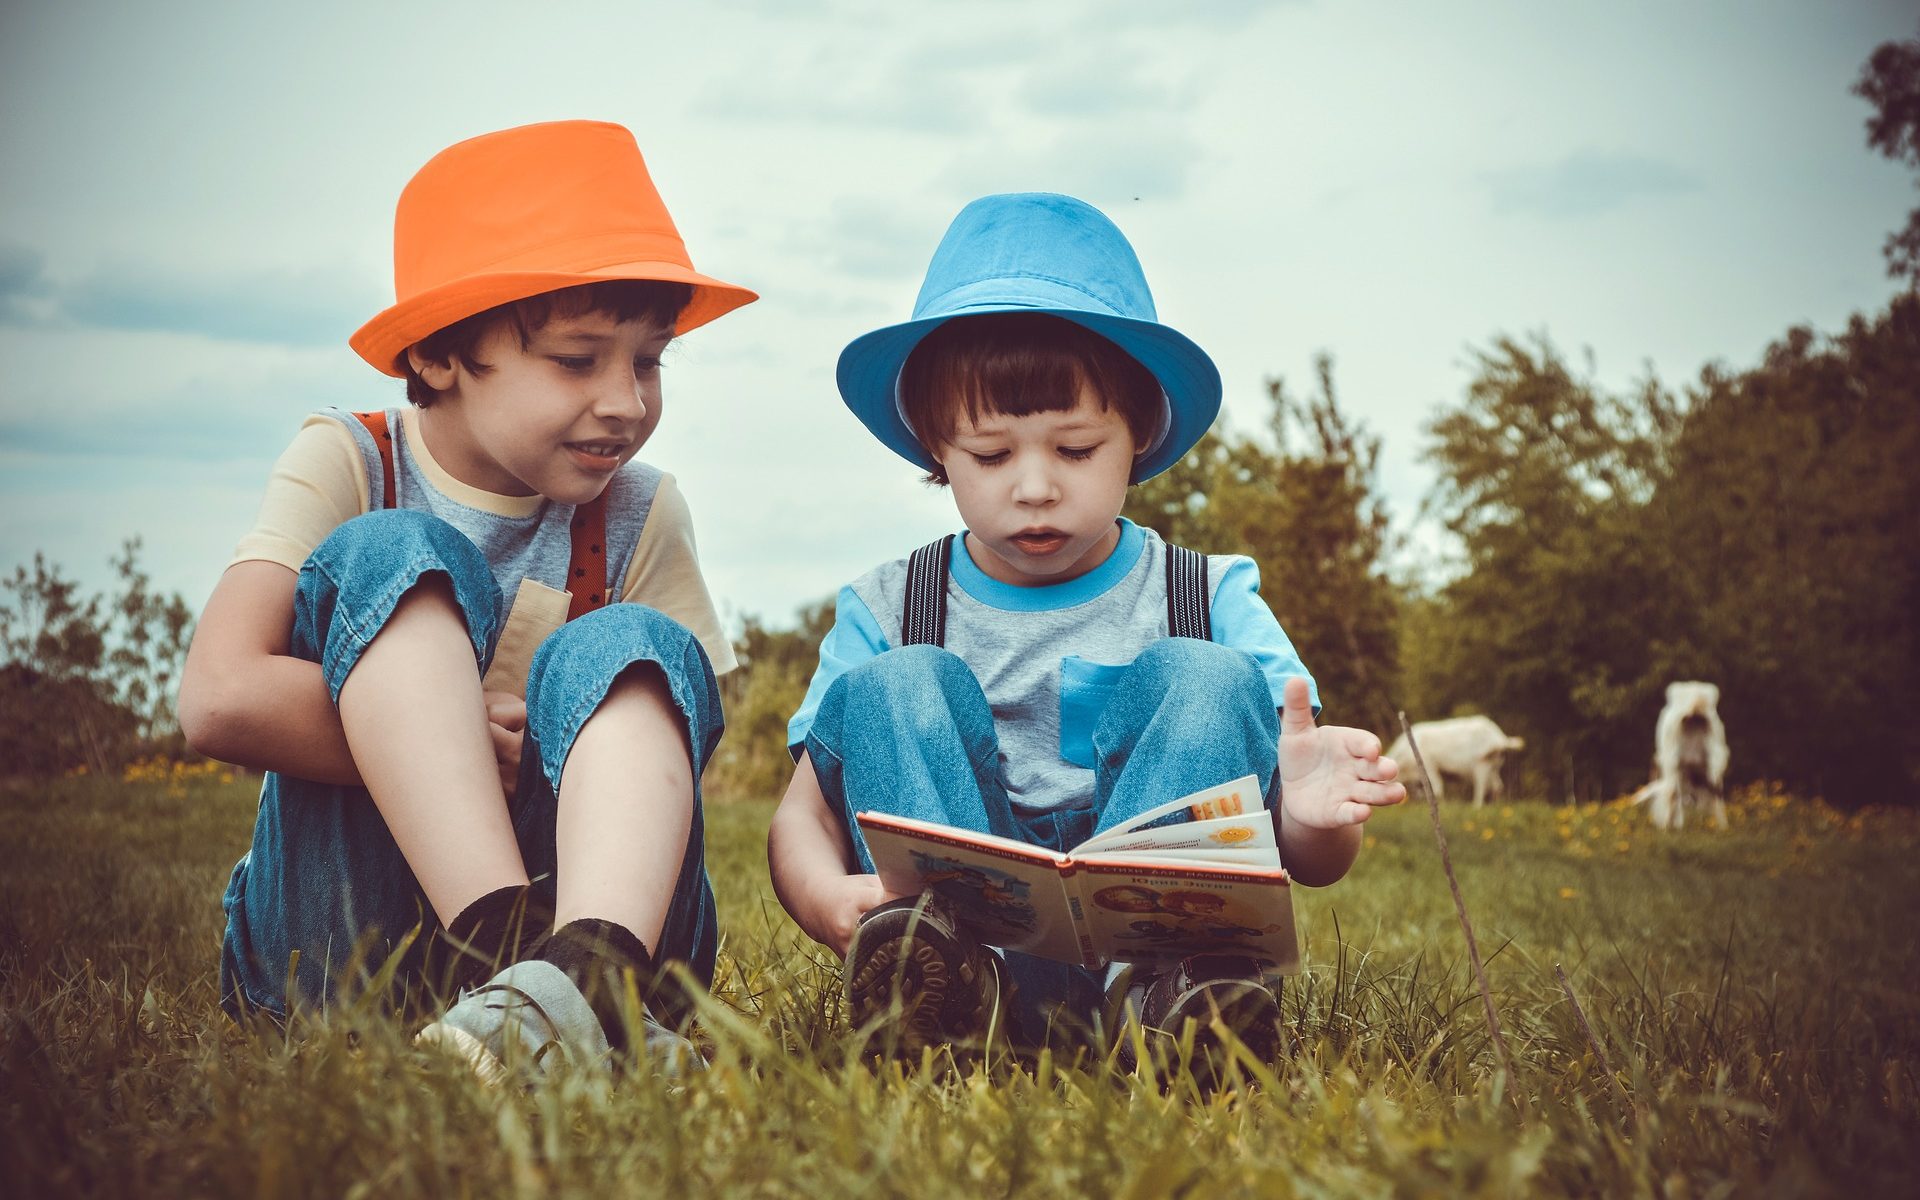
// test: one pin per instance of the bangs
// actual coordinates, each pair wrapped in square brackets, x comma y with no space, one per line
[658,302]
[1015,365]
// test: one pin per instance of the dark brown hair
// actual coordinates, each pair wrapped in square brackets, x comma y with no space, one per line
[654,300]
[1017,364]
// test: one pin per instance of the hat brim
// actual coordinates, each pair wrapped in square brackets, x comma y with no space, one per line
[869,373]
[382,340]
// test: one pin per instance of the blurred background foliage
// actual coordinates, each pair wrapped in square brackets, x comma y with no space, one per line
[1758,528]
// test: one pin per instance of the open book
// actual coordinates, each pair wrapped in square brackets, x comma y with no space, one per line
[1213,885]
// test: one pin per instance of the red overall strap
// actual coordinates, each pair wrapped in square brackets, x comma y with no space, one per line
[587,571]
[376,423]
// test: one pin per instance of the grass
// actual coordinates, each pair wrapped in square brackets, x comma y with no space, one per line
[1755,992]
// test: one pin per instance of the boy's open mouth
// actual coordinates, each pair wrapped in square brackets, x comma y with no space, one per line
[597,456]
[1039,542]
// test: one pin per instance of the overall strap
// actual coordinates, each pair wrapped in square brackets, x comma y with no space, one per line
[587,567]
[376,423]
[923,621]
[1189,604]
[587,561]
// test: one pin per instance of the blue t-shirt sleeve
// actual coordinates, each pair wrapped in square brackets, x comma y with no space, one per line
[1241,619]
[854,638]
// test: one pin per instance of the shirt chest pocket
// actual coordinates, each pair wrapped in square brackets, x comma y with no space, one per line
[1085,688]
[537,611]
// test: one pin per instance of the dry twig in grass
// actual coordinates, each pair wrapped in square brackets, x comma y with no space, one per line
[1599,1053]
[1460,906]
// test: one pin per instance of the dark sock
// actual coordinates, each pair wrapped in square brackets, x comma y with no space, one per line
[497,930]
[597,955]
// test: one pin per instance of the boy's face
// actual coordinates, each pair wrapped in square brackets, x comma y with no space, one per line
[1039,493]
[556,418]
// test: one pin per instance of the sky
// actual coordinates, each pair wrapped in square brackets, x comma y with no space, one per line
[196,204]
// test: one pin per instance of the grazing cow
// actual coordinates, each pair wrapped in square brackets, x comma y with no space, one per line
[1464,747]
[1689,758]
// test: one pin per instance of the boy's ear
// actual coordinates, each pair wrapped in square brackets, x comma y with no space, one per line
[437,374]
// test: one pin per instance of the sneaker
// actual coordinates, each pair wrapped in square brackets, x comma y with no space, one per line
[913,953]
[531,1017]
[1240,993]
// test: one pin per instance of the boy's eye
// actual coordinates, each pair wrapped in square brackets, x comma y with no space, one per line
[991,460]
[574,362]
[1078,453]
[646,364]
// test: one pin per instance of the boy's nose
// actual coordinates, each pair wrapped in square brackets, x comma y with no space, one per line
[623,397]
[1034,484]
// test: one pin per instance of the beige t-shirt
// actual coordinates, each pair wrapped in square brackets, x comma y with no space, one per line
[320,481]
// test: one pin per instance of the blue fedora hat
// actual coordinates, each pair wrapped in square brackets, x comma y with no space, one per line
[1041,253]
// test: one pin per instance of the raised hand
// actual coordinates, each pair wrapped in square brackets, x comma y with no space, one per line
[1330,776]
[507,725]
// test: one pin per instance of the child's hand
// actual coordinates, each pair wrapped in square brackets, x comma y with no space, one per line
[836,907]
[507,722]
[1332,776]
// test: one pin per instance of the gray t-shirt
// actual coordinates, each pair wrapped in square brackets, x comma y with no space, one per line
[1047,657]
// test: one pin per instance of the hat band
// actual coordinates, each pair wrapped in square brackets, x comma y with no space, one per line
[576,255]
[1024,291]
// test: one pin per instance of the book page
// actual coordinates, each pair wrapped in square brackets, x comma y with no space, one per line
[1267,857]
[1238,797]
[1247,838]
[1139,911]
[1006,893]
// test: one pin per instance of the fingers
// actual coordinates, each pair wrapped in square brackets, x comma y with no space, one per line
[1296,712]
[1370,796]
[1386,795]
[858,894]
[1366,799]
[506,753]
[506,710]
[1359,742]
[1379,770]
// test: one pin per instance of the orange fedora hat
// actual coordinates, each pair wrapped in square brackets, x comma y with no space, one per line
[508,215]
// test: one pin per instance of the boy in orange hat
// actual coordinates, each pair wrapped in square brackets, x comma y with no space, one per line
[468,641]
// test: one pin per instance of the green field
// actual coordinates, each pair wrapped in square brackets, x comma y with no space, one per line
[1753,991]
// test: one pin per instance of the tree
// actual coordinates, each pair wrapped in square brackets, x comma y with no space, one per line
[1304,505]
[1794,506]
[1761,535]
[1555,628]
[1890,81]
[87,680]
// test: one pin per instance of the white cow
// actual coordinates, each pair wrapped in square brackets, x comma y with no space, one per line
[1689,757]
[1464,747]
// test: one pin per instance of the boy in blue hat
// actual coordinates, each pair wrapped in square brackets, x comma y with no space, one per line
[1054,670]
